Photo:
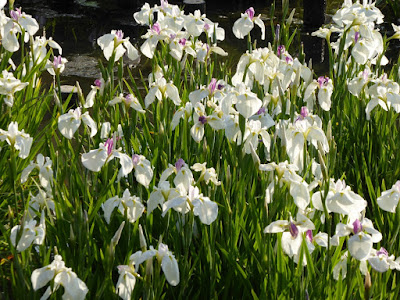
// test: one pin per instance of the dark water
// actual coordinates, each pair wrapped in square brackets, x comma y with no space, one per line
[76,25]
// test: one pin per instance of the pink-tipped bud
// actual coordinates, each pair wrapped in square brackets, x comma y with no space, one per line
[357,36]
[250,12]
[129,98]
[365,74]
[322,80]
[277,32]
[97,83]
[206,27]
[164,4]
[304,111]
[135,159]
[294,231]
[309,235]
[357,227]
[109,144]
[212,86]
[15,14]
[156,28]
[281,50]
[384,78]
[120,35]
[57,62]
[179,164]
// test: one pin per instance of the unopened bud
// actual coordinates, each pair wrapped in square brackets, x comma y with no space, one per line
[80,93]
[277,31]
[142,239]
[117,235]
[255,157]
[10,212]
[85,216]
[57,100]
[294,231]
[105,130]
[161,129]
[71,233]
[290,18]
[321,157]
[309,235]
[357,227]
[367,285]
[329,131]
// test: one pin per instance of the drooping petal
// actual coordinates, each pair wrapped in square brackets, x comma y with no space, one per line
[173,93]
[40,277]
[340,268]
[74,288]
[170,268]
[156,198]
[299,192]
[178,203]
[68,124]
[119,52]
[90,122]
[125,285]
[29,24]
[151,96]
[260,24]
[23,143]
[125,162]
[94,160]
[90,98]
[321,238]
[324,98]
[291,246]
[106,43]
[248,105]
[27,171]
[144,172]
[10,41]
[149,46]
[242,26]
[360,246]
[347,203]
[379,263]
[27,237]
[197,132]
[277,226]
[389,200]
[132,52]
[206,209]
[198,95]
[109,206]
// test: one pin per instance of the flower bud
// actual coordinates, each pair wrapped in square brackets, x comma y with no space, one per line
[367,285]
[294,231]
[142,239]
[357,227]
[117,235]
